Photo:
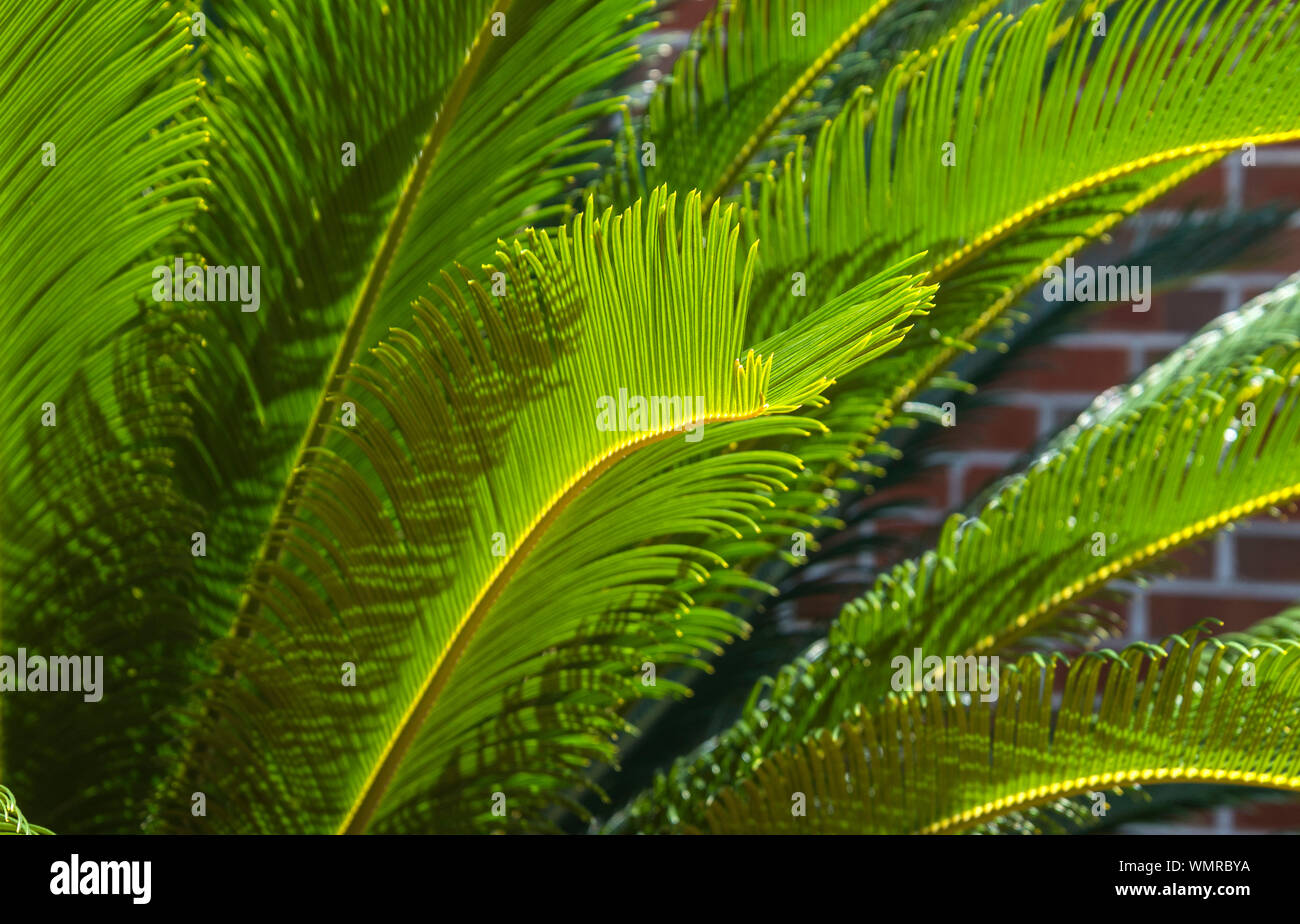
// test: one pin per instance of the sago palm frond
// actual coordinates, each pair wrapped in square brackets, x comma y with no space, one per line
[12,820]
[1277,633]
[931,763]
[1275,630]
[1195,245]
[94,536]
[822,222]
[350,210]
[1022,221]
[1105,140]
[752,62]
[501,568]
[414,540]
[1214,447]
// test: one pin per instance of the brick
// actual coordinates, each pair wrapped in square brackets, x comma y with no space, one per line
[1190,310]
[683,15]
[1205,190]
[999,426]
[1196,561]
[1172,613]
[977,477]
[822,609]
[1123,317]
[1268,815]
[1251,292]
[1056,368]
[1151,357]
[929,487]
[1268,558]
[1266,185]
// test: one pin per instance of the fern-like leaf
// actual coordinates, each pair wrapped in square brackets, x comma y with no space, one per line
[928,763]
[481,673]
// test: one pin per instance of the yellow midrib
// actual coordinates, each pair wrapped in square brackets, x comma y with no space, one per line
[947,266]
[1042,795]
[272,547]
[1027,622]
[367,299]
[811,73]
[1048,793]
[371,793]
[914,385]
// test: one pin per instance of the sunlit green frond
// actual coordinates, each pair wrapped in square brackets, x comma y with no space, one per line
[1116,498]
[1276,630]
[1092,138]
[1277,634]
[933,763]
[1234,338]
[360,148]
[94,539]
[1214,450]
[828,218]
[751,65]
[514,546]
[1092,114]
[1195,244]
[915,31]
[12,820]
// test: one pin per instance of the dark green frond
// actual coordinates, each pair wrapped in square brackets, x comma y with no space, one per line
[499,566]
[752,65]
[359,150]
[933,763]
[1116,498]
[99,153]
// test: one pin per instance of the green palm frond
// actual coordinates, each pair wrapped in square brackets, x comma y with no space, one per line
[1195,245]
[1097,157]
[1277,633]
[1089,118]
[94,537]
[1271,319]
[830,217]
[481,673]
[915,31]
[1086,156]
[931,763]
[485,473]
[1117,497]
[1275,630]
[752,63]
[351,209]
[1108,499]
[12,820]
